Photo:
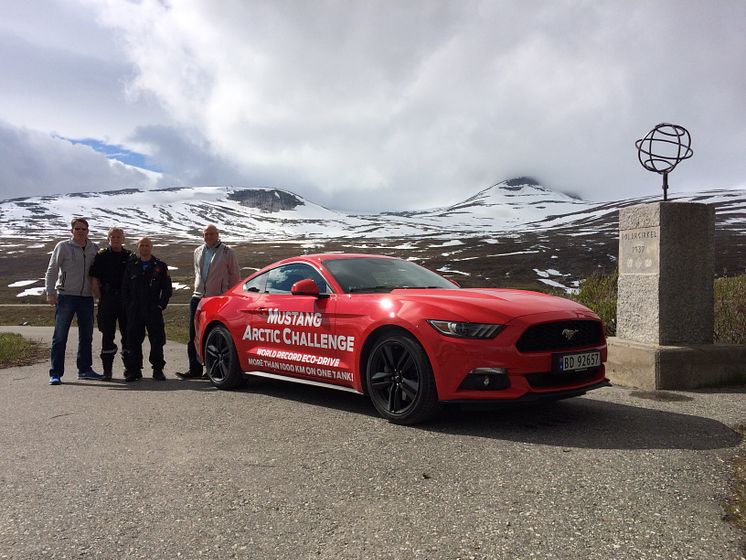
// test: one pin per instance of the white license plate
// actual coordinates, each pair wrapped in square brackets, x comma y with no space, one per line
[581,360]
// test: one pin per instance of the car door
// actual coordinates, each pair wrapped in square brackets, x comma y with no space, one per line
[247,316]
[294,335]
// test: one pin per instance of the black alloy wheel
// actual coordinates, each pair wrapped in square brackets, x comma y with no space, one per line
[399,380]
[221,360]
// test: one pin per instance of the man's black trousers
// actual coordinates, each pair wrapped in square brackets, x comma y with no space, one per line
[152,322]
[110,311]
[195,368]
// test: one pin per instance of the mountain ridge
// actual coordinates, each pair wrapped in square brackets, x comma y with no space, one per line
[515,233]
[257,213]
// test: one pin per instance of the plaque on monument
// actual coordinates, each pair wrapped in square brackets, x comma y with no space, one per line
[638,251]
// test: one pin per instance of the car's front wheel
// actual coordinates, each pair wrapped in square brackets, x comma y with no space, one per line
[221,360]
[399,380]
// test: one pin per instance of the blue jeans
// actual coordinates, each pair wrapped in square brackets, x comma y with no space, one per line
[67,308]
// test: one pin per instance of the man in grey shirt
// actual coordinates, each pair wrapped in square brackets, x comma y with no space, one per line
[68,288]
[215,271]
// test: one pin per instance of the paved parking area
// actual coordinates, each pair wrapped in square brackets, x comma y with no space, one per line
[178,469]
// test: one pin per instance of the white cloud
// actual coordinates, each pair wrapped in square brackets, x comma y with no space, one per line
[33,163]
[66,74]
[392,104]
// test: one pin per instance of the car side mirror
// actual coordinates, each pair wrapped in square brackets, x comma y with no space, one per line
[305,287]
[452,281]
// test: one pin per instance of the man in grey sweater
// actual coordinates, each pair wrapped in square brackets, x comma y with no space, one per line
[68,288]
[215,271]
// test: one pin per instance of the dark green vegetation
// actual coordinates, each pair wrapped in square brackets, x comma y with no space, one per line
[176,319]
[730,310]
[599,292]
[31,315]
[17,351]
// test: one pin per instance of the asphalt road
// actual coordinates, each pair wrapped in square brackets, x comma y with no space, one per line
[177,469]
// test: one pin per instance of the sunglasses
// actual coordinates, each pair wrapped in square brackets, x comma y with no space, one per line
[81,229]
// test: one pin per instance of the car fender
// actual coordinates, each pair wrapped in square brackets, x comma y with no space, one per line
[408,316]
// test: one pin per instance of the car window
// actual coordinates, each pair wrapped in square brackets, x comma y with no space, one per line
[256,284]
[371,274]
[282,278]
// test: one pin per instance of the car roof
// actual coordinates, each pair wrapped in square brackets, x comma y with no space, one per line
[319,257]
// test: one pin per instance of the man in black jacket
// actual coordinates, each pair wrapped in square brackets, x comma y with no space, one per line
[146,289]
[106,283]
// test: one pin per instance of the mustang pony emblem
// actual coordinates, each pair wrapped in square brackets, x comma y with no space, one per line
[569,333]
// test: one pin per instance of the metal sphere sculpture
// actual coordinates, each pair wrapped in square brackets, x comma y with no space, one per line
[663,148]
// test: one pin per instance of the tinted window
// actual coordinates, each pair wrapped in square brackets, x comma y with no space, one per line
[281,279]
[256,284]
[369,274]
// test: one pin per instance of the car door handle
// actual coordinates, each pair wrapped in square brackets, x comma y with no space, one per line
[254,310]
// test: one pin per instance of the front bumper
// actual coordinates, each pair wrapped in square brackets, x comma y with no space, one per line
[534,397]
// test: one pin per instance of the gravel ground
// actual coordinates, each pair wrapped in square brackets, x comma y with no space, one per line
[177,469]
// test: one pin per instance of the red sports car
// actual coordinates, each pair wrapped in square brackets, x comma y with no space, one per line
[399,333]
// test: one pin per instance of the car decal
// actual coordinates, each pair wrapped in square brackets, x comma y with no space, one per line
[296,318]
[340,375]
[291,337]
[298,357]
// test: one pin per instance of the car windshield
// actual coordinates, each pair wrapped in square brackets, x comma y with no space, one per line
[370,275]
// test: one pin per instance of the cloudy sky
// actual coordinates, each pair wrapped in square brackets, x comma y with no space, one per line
[369,104]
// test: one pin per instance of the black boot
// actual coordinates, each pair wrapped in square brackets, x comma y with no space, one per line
[107,360]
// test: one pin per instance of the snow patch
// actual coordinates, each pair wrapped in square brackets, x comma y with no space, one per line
[560,286]
[22,283]
[39,290]
[449,271]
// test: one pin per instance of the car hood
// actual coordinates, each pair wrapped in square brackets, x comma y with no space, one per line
[480,304]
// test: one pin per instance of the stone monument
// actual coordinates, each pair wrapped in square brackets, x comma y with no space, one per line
[666,271]
[665,306]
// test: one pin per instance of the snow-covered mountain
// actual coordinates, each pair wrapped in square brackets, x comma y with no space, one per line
[504,206]
[244,214]
[176,213]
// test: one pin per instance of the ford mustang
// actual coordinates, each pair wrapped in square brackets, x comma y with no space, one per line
[399,333]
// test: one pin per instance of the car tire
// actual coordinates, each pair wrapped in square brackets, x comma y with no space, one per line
[399,380]
[221,360]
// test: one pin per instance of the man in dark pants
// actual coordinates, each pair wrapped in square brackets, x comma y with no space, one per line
[146,289]
[106,283]
[68,288]
[215,271]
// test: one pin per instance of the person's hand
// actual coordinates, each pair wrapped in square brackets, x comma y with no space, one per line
[52,299]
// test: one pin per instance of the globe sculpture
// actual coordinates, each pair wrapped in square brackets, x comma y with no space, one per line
[663,148]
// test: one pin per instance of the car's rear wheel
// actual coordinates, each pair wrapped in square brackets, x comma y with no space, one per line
[221,360]
[399,380]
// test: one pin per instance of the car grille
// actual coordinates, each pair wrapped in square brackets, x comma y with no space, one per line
[555,336]
[537,380]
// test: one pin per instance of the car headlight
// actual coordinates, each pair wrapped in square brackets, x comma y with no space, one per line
[462,329]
